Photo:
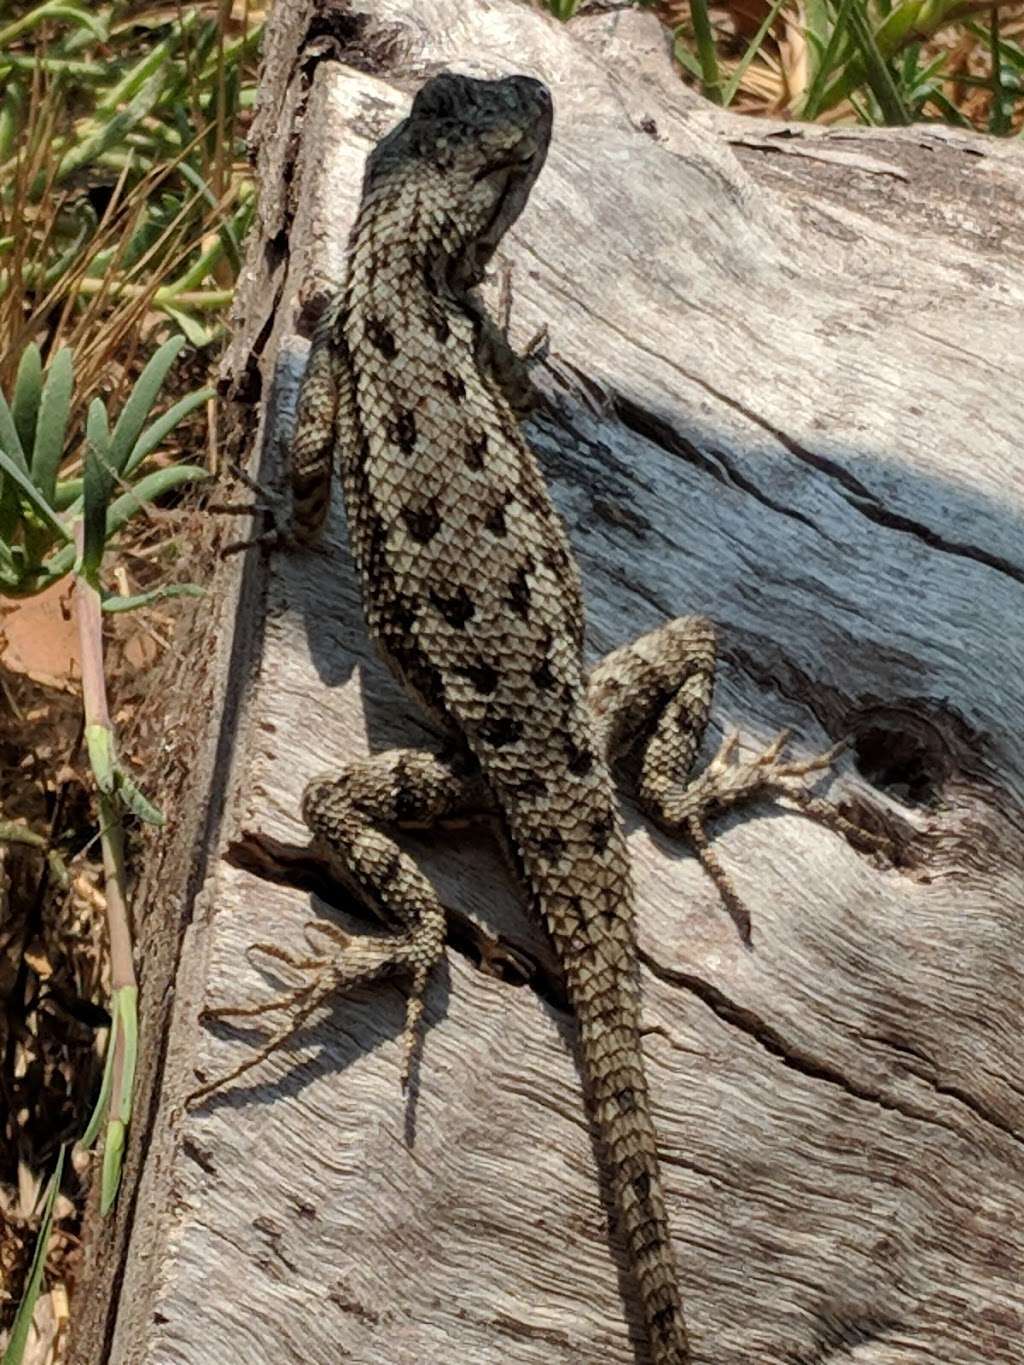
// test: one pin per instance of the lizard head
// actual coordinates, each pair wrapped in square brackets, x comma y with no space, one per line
[479,146]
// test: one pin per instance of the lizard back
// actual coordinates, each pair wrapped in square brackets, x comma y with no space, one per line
[470,588]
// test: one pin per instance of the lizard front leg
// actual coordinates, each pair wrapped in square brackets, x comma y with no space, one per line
[654,695]
[351,815]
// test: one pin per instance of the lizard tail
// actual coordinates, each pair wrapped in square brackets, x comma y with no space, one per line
[610,1051]
[580,885]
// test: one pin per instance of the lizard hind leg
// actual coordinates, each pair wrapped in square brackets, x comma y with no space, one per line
[655,695]
[350,815]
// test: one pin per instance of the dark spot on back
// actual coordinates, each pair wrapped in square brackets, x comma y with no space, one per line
[642,1187]
[536,499]
[531,786]
[519,595]
[407,807]
[462,762]
[454,385]
[457,609]
[403,431]
[402,614]
[407,804]
[663,1321]
[495,519]
[627,1100]
[601,832]
[551,845]
[500,730]
[382,338]
[476,449]
[422,523]
[542,677]
[441,329]
[580,761]
[430,280]
[483,677]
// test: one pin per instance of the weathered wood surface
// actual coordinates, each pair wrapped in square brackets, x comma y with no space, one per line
[783,390]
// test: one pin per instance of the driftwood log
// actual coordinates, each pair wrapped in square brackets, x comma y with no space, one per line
[783,390]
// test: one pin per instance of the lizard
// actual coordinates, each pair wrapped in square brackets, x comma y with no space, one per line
[472,594]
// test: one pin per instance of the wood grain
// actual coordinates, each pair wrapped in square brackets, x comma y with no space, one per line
[782,391]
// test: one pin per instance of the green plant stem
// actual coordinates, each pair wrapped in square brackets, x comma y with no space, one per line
[87,608]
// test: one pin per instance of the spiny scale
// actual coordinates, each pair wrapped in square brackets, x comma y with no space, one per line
[471,591]
[470,588]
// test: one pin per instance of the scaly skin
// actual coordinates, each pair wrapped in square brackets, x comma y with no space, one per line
[470,588]
[472,594]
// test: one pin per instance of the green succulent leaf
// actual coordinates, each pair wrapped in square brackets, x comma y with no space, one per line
[27,387]
[140,400]
[31,493]
[52,424]
[99,480]
[113,603]
[9,438]
[154,434]
[148,489]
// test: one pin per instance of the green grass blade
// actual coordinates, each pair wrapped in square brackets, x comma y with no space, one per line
[947,109]
[136,76]
[815,101]
[879,77]
[53,10]
[18,1340]
[12,107]
[1002,108]
[711,76]
[729,93]
[99,1112]
[52,425]
[110,132]
[683,55]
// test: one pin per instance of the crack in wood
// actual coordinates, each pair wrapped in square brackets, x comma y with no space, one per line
[860,496]
[797,1059]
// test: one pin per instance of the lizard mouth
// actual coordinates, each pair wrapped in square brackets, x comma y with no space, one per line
[516,161]
[511,165]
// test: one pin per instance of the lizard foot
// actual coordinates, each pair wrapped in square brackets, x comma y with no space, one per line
[264,504]
[726,782]
[355,962]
